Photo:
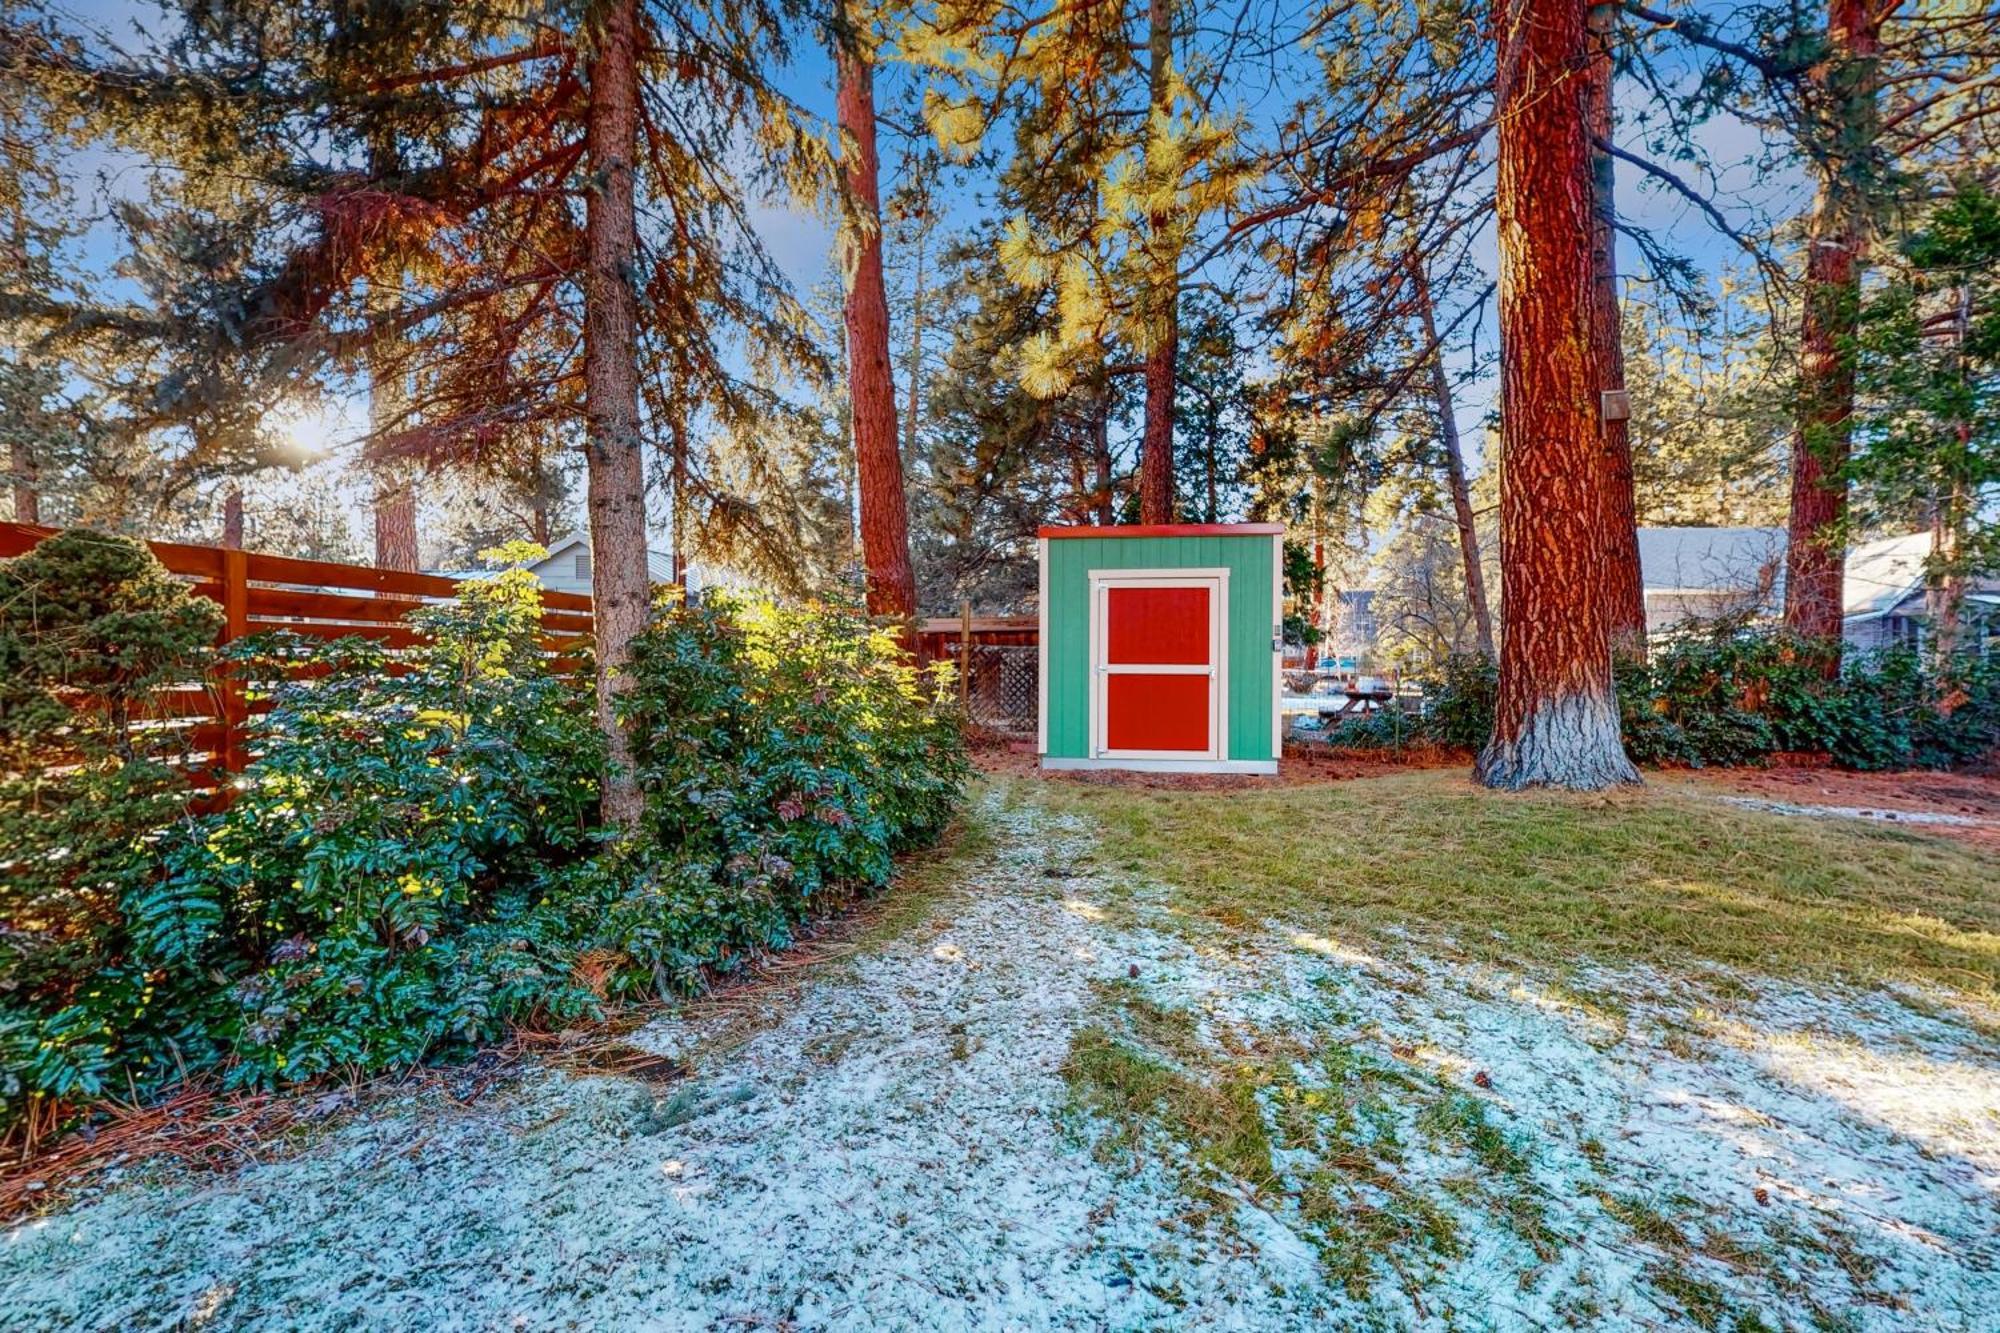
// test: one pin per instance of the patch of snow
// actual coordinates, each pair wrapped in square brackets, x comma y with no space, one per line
[1855,812]
[892,1150]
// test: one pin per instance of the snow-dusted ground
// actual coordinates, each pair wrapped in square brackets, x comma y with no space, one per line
[900,1150]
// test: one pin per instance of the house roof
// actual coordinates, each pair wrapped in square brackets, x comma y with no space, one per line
[1882,575]
[659,564]
[1709,559]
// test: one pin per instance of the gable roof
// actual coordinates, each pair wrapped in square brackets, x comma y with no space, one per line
[1710,559]
[659,564]
[1882,575]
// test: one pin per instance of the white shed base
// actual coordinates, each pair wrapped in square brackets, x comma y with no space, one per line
[1266,766]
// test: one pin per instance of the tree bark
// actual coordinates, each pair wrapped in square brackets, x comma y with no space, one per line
[1815,553]
[911,413]
[620,582]
[1100,454]
[1162,299]
[1555,721]
[232,518]
[1944,591]
[1316,603]
[395,496]
[1627,583]
[27,499]
[871,387]
[678,517]
[395,525]
[1454,472]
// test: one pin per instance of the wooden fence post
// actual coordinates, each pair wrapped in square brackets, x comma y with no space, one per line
[964,651]
[235,624]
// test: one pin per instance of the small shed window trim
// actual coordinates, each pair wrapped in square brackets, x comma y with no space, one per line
[1217,670]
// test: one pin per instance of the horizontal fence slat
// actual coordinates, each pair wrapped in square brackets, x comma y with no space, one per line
[286,569]
[286,603]
[394,635]
[201,561]
[203,725]
[980,624]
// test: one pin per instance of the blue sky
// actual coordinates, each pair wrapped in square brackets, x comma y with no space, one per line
[801,241]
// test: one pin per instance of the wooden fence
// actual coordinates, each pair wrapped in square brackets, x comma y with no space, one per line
[320,598]
[997,663]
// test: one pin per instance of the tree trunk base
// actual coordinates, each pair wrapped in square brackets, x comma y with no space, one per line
[1570,742]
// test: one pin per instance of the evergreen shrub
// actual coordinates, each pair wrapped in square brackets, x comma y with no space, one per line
[412,860]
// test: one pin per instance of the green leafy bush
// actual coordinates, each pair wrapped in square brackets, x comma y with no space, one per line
[1738,696]
[90,626]
[377,884]
[785,754]
[412,861]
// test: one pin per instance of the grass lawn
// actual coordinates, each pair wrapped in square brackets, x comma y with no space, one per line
[1392,1053]
[1649,876]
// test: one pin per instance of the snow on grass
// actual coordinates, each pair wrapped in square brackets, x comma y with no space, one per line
[1056,1102]
[1854,812]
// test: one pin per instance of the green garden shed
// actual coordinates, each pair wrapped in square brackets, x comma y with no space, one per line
[1160,647]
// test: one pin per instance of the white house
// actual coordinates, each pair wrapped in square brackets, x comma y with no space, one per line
[566,568]
[1708,573]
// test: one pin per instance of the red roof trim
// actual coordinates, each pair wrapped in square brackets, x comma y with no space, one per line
[1167,530]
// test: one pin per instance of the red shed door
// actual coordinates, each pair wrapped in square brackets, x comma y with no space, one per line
[1158,658]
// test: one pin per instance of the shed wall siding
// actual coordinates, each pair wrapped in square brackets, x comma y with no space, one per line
[1247,638]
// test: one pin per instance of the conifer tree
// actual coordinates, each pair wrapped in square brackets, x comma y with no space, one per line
[885,536]
[1556,718]
[1124,156]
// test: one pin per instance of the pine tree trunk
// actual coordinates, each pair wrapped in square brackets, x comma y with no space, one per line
[1316,606]
[1156,444]
[27,499]
[1816,554]
[232,518]
[1944,592]
[1100,445]
[20,458]
[1209,475]
[620,582]
[1555,721]
[1627,583]
[678,517]
[1454,472]
[395,497]
[871,387]
[911,412]
[396,526]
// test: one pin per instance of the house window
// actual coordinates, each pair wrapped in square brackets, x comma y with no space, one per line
[583,564]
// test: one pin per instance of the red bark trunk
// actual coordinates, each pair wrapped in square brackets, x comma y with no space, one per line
[232,518]
[1156,444]
[620,582]
[1555,721]
[396,526]
[871,387]
[1627,587]
[1816,552]
[395,499]
[27,500]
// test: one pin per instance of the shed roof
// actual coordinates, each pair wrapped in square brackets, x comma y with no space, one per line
[1164,530]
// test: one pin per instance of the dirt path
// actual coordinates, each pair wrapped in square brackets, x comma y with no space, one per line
[1053,1104]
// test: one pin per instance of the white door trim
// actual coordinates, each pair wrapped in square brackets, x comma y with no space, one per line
[1216,580]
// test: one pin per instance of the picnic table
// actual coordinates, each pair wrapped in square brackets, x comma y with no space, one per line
[1340,701]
